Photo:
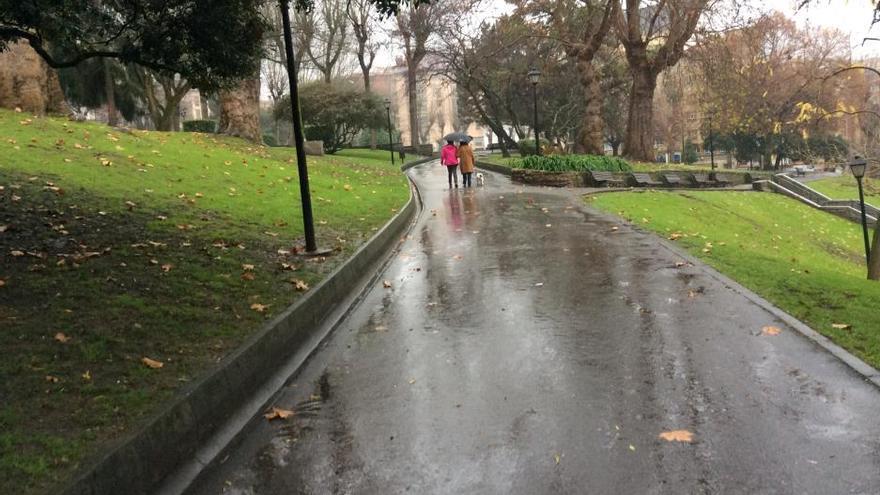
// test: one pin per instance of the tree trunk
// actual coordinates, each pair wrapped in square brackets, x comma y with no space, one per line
[412,92]
[639,142]
[590,139]
[240,111]
[874,266]
[110,95]
[615,148]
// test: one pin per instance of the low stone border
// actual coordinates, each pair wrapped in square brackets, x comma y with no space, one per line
[865,370]
[585,179]
[172,447]
[493,167]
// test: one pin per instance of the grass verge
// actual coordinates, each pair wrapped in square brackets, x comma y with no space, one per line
[131,262]
[809,263]
[846,187]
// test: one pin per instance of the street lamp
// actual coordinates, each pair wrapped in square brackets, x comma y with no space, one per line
[858,166]
[298,139]
[387,103]
[534,75]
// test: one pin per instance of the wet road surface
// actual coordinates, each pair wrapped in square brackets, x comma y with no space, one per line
[526,347]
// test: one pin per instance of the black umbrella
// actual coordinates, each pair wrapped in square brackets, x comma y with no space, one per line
[457,137]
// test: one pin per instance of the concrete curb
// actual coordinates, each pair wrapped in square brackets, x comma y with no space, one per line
[172,447]
[868,372]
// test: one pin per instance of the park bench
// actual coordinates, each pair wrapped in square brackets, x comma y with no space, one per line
[723,180]
[671,179]
[600,178]
[702,180]
[644,180]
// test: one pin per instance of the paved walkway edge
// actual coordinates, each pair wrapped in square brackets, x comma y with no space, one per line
[868,372]
[170,450]
[492,167]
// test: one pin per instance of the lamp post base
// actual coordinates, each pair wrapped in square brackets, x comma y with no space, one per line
[317,252]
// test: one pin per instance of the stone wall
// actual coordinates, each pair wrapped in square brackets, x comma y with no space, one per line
[28,83]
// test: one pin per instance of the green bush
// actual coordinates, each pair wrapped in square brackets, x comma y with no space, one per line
[573,163]
[206,126]
[269,140]
[527,146]
[690,153]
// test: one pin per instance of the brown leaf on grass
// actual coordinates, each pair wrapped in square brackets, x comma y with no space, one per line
[130,205]
[60,337]
[167,267]
[15,253]
[288,266]
[677,436]
[278,413]
[2,283]
[87,376]
[3,228]
[679,264]
[299,284]
[386,284]
[841,326]
[247,276]
[259,308]
[52,379]
[152,363]
[347,187]
[675,236]
[770,330]
[248,268]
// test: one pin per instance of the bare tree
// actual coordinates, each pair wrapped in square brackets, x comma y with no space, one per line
[329,29]
[415,26]
[653,33]
[361,16]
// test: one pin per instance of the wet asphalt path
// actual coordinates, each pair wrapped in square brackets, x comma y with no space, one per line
[530,351]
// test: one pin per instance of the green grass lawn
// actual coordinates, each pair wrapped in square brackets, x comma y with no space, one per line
[118,246]
[809,263]
[498,159]
[845,187]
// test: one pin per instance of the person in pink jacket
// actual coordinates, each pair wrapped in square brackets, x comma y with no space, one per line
[449,159]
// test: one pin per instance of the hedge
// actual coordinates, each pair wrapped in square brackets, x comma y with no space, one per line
[206,126]
[573,163]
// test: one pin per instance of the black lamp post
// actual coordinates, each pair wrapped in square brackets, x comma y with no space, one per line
[298,139]
[858,166]
[390,139]
[534,75]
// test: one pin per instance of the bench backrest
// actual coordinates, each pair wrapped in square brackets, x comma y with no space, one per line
[672,177]
[701,178]
[642,177]
[599,175]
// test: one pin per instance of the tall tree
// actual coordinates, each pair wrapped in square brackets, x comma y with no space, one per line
[162,95]
[329,26]
[416,24]
[360,14]
[240,110]
[653,33]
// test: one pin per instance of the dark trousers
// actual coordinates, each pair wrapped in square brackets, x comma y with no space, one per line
[466,178]
[453,175]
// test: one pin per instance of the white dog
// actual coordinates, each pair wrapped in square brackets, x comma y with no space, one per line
[480,179]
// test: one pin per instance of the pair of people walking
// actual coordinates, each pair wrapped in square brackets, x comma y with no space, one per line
[454,157]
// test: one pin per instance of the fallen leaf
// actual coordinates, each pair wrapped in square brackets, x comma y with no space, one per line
[152,363]
[247,267]
[677,436]
[16,253]
[841,326]
[386,284]
[539,284]
[247,276]
[412,381]
[3,228]
[347,187]
[278,413]
[770,330]
[288,266]
[548,225]
[557,458]
[52,379]
[87,376]
[167,267]
[674,236]
[299,284]
[615,228]
[60,337]
[259,308]
[679,264]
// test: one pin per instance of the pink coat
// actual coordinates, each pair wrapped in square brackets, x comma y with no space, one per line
[449,155]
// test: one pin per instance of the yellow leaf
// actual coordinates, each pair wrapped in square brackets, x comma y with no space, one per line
[247,267]
[677,436]
[557,458]
[770,330]
[152,363]
[299,285]
[259,308]
[278,413]
[841,326]
[60,337]
[87,376]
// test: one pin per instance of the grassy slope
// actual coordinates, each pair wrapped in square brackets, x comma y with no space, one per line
[172,275]
[807,262]
[845,187]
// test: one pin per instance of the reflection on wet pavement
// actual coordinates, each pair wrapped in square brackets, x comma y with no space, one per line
[526,346]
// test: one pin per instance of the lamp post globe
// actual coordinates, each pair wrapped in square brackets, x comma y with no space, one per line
[534,75]
[858,166]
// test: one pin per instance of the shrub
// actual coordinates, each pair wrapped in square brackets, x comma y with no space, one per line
[206,126]
[527,146]
[690,153]
[573,163]
[269,140]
